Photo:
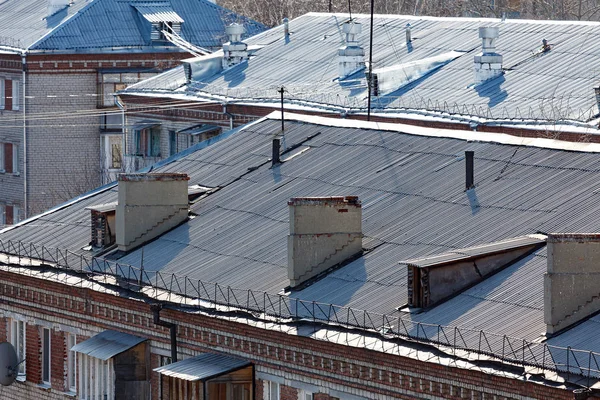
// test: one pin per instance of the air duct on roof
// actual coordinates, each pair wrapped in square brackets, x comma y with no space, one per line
[488,64]
[572,280]
[55,6]
[470,174]
[351,55]
[408,34]
[324,232]
[286,29]
[148,206]
[235,51]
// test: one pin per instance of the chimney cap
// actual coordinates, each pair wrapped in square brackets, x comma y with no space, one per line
[489,32]
[323,200]
[140,177]
[352,27]
[235,29]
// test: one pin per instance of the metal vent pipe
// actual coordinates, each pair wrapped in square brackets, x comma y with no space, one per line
[470,175]
[276,151]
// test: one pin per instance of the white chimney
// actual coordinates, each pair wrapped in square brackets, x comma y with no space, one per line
[148,206]
[324,232]
[488,64]
[235,51]
[351,55]
[55,6]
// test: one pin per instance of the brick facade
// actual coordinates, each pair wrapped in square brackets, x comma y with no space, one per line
[329,370]
[63,151]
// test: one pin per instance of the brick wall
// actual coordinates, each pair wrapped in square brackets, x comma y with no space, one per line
[329,367]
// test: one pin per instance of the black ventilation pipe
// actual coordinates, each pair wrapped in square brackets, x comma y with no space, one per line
[172,328]
[470,178]
[276,151]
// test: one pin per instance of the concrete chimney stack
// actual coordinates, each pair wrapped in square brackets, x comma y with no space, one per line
[148,206]
[351,55]
[235,51]
[488,64]
[572,280]
[324,231]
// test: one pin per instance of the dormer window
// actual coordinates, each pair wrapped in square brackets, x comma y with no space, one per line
[103,225]
[162,17]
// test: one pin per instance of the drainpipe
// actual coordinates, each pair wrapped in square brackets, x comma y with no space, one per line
[23,95]
[172,328]
[229,115]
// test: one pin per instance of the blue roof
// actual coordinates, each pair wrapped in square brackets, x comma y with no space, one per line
[110,24]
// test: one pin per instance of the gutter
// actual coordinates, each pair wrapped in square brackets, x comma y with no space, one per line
[25,170]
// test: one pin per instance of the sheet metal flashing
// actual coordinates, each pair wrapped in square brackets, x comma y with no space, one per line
[158,12]
[476,251]
[203,367]
[107,344]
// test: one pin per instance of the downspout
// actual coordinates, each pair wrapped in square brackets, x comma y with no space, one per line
[228,115]
[172,328]
[23,95]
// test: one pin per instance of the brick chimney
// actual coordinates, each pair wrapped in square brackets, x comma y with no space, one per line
[572,282]
[148,206]
[235,51]
[351,55]
[488,64]
[324,231]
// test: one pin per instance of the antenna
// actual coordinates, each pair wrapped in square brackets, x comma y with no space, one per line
[9,364]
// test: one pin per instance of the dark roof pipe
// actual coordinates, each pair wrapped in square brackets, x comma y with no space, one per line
[470,175]
[172,328]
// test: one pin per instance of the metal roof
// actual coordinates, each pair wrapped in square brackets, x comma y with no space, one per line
[158,12]
[107,344]
[112,24]
[414,205]
[203,367]
[552,86]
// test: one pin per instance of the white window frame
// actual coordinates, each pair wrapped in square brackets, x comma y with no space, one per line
[71,363]
[2,158]
[2,93]
[96,378]
[16,95]
[19,342]
[304,395]
[15,159]
[271,390]
[46,356]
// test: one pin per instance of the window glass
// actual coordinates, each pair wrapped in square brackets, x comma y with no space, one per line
[16,98]
[46,355]
[17,339]
[71,363]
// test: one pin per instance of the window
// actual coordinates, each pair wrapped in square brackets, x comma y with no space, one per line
[271,390]
[147,142]
[17,339]
[71,363]
[2,94]
[16,98]
[111,82]
[172,142]
[96,378]
[46,356]
[159,27]
[304,395]
[9,158]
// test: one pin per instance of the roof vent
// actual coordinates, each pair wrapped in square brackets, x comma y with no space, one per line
[235,51]
[408,34]
[286,29]
[55,6]
[470,175]
[488,64]
[351,55]
[148,206]
[435,278]
[324,231]
[572,279]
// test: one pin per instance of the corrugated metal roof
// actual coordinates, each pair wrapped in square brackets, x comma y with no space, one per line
[158,12]
[414,206]
[554,86]
[113,24]
[107,344]
[203,367]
